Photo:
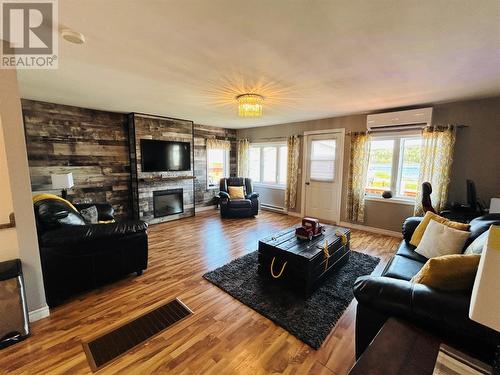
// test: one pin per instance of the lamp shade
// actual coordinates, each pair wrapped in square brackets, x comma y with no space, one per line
[62,181]
[485,303]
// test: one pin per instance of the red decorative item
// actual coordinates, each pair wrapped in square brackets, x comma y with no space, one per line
[310,228]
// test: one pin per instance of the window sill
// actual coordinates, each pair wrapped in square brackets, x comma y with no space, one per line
[391,200]
[269,186]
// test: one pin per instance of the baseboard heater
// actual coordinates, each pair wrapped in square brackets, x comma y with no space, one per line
[271,207]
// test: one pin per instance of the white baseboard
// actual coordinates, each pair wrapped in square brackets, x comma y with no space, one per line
[371,229]
[38,314]
[204,208]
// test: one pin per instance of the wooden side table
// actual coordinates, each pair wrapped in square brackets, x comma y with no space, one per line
[398,349]
[401,349]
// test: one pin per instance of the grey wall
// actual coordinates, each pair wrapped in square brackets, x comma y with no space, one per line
[476,154]
[378,214]
[477,149]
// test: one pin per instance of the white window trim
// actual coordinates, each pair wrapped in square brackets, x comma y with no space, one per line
[396,166]
[226,169]
[261,146]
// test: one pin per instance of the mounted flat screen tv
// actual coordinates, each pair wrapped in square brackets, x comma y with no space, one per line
[163,156]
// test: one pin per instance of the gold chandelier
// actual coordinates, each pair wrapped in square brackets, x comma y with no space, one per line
[250,105]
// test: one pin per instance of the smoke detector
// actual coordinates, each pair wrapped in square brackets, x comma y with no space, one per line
[72,36]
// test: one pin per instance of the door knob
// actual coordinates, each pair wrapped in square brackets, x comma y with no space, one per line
[308,183]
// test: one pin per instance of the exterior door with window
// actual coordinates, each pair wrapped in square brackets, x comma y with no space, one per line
[323,176]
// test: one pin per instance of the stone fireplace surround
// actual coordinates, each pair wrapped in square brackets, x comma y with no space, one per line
[145,184]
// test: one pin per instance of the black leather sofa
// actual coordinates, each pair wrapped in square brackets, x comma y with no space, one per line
[77,256]
[445,314]
[238,207]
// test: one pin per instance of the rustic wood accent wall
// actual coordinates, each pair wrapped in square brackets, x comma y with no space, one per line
[203,195]
[144,183]
[95,146]
[91,144]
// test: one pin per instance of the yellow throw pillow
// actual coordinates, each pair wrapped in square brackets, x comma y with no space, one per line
[41,197]
[236,192]
[449,272]
[420,229]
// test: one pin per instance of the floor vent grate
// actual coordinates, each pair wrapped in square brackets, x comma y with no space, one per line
[111,345]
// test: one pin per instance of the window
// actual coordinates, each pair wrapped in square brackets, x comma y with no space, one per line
[323,159]
[380,166]
[268,164]
[217,166]
[411,150]
[283,165]
[254,163]
[394,165]
[269,158]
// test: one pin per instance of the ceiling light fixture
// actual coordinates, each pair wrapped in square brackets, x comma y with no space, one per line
[72,36]
[250,105]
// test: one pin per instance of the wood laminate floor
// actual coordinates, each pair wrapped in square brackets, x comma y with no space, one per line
[222,337]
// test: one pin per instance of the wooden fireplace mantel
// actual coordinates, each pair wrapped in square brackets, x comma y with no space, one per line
[166,178]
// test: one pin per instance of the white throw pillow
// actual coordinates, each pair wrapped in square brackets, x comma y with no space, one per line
[439,240]
[476,247]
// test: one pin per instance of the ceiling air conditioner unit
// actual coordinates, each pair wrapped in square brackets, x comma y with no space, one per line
[400,120]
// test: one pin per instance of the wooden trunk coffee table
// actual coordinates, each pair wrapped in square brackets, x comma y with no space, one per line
[301,264]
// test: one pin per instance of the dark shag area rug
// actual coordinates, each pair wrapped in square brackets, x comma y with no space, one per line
[311,319]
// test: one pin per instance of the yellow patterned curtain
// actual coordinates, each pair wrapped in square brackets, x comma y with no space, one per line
[218,144]
[243,149]
[293,144]
[358,169]
[438,143]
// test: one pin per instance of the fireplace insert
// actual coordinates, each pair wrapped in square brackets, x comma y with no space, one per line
[168,202]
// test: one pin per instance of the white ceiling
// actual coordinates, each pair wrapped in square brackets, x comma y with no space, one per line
[311,59]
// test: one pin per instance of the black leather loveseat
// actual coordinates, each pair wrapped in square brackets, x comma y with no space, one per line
[77,256]
[445,314]
[238,207]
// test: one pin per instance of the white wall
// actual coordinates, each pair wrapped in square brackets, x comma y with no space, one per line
[14,163]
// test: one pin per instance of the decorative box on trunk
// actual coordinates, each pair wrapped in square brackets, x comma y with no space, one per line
[303,264]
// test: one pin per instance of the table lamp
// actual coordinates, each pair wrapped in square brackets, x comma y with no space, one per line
[485,301]
[63,182]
